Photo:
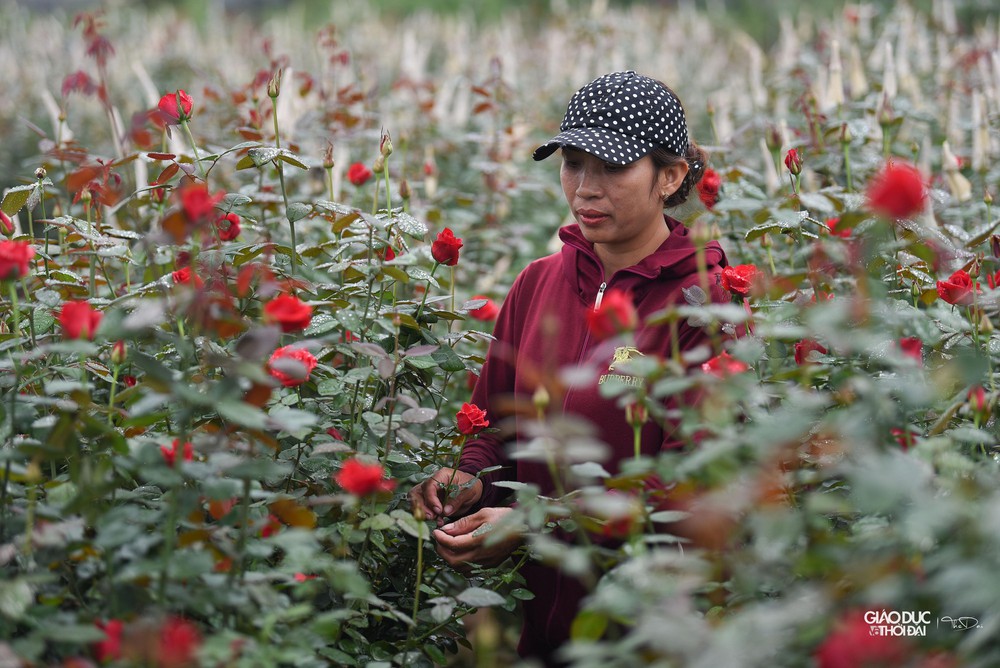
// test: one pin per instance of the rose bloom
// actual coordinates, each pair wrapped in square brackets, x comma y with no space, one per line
[228,226]
[487,311]
[358,174]
[723,365]
[471,419]
[79,320]
[291,366]
[289,311]
[898,191]
[804,347]
[957,288]
[6,224]
[178,643]
[168,106]
[912,347]
[616,314]
[444,250]
[832,223]
[739,279]
[169,452]
[110,648]
[850,645]
[183,276]
[708,188]
[15,259]
[129,381]
[197,203]
[361,479]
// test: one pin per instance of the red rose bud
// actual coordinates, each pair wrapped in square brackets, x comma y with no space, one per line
[129,381]
[15,259]
[110,648]
[198,205]
[832,224]
[912,347]
[897,191]
[271,527]
[803,349]
[170,109]
[793,162]
[724,365]
[178,644]
[361,479]
[335,434]
[404,189]
[358,174]
[170,453]
[957,289]
[904,438]
[708,188]
[739,279]
[291,366]
[615,314]
[228,226]
[6,224]
[471,419]
[274,85]
[978,401]
[183,276]
[79,320]
[385,145]
[119,353]
[288,311]
[487,312]
[995,245]
[445,248]
[993,280]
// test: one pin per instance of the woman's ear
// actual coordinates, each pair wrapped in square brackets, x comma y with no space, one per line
[672,177]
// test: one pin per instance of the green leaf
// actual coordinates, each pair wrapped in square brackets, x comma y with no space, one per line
[242,413]
[477,597]
[15,598]
[16,198]
[379,522]
[297,211]
[292,159]
[589,625]
[448,359]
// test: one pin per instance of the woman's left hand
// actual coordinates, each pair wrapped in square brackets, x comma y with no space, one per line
[464,541]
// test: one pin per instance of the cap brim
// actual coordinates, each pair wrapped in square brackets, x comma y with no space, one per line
[609,146]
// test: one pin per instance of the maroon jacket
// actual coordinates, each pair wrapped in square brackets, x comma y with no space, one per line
[541,330]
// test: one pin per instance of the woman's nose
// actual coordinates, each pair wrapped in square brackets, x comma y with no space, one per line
[589,183]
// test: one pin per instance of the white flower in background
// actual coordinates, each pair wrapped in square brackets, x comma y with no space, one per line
[889,84]
[835,85]
[856,75]
[959,186]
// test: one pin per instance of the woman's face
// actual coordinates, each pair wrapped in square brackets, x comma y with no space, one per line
[618,207]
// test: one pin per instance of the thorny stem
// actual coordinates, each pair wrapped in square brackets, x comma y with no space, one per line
[194,147]
[281,181]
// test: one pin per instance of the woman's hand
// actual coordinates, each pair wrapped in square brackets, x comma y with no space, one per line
[438,502]
[466,541]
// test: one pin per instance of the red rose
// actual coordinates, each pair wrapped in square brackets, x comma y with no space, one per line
[79,320]
[168,106]
[487,311]
[358,174]
[793,162]
[361,479]
[335,434]
[898,191]
[6,224]
[912,347]
[129,381]
[15,259]
[471,419]
[851,644]
[198,204]
[271,527]
[110,648]
[804,347]
[288,311]
[179,642]
[977,399]
[832,224]
[957,288]
[616,314]
[724,365]
[183,276]
[993,280]
[228,226]
[904,438]
[169,452]
[291,366]
[386,253]
[444,250]
[708,188]
[119,353]
[739,279]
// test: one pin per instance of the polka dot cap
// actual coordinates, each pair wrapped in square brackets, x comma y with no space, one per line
[621,117]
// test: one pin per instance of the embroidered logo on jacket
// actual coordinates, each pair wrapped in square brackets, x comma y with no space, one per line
[622,354]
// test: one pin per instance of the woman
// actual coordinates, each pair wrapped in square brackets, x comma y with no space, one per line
[625,157]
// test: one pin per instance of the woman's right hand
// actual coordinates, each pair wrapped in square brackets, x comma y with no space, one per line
[446,493]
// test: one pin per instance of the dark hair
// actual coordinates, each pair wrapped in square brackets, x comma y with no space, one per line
[696,159]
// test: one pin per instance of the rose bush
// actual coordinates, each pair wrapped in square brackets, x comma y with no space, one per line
[231,490]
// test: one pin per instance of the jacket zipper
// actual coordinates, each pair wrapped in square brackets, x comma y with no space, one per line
[600,295]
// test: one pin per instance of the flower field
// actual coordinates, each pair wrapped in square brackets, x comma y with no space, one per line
[248,275]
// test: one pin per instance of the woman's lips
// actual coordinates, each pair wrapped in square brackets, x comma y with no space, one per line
[590,216]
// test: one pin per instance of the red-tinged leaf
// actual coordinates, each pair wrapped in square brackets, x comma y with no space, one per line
[482,107]
[78,82]
[258,395]
[78,179]
[176,225]
[161,156]
[167,174]
[292,514]
[479,90]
